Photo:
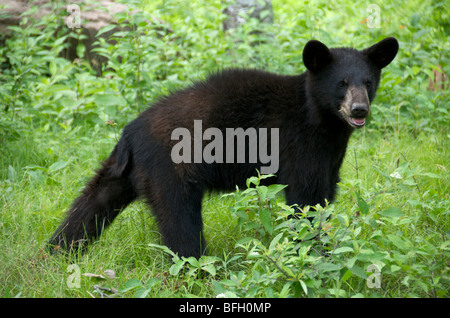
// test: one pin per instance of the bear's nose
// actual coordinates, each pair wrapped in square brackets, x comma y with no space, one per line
[359,110]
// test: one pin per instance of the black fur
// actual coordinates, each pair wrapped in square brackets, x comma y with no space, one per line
[313,138]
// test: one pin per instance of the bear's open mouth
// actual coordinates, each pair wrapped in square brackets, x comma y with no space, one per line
[357,122]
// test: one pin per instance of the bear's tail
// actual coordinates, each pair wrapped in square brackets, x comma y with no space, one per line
[108,192]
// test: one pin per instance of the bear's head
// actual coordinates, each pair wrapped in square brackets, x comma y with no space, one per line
[342,81]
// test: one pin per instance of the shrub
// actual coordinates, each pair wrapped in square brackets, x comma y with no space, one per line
[365,253]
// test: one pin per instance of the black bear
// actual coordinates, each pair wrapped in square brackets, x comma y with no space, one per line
[164,155]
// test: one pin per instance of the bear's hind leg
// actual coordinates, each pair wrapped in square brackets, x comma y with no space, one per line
[179,218]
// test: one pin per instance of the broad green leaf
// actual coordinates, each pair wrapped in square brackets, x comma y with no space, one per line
[177,267]
[52,67]
[274,189]
[57,166]
[398,242]
[193,261]
[228,282]
[302,232]
[50,90]
[262,191]
[370,256]
[106,99]
[210,268]
[152,282]
[358,271]
[275,240]
[344,249]
[264,215]
[363,207]
[395,268]
[142,293]
[392,212]
[253,180]
[328,267]
[346,276]
[80,50]
[132,283]
[343,219]
[106,29]
[304,287]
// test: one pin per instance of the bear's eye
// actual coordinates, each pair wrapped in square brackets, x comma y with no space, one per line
[368,83]
[343,83]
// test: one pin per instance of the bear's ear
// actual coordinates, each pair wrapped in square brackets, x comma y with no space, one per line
[382,53]
[316,55]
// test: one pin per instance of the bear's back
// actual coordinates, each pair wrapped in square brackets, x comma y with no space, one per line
[229,99]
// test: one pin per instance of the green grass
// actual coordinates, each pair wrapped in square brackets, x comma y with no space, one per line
[31,210]
[52,140]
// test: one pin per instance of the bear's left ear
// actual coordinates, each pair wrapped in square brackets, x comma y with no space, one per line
[382,53]
[316,55]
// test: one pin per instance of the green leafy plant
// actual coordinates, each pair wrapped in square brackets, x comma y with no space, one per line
[254,205]
[388,235]
[347,256]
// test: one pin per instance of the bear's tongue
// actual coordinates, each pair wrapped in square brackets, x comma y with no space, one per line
[358,121]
